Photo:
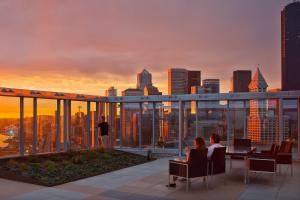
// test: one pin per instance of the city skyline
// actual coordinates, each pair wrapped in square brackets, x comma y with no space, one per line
[42,50]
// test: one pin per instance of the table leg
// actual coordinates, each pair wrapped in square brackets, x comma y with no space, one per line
[246,170]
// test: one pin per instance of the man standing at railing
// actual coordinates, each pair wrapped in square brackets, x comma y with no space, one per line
[103,140]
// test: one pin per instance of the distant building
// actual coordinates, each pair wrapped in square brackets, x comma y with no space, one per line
[111,92]
[144,79]
[181,80]
[290,47]
[240,80]
[194,79]
[133,92]
[263,126]
[211,85]
[177,81]
[151,90]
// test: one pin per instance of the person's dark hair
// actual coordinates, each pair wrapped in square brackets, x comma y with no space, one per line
[215,137]
[200,141]
[103,118]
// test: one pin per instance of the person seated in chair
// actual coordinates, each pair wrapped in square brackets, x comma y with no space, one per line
[199,144]
[214,141]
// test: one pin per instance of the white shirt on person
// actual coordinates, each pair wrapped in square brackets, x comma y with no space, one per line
[211,149]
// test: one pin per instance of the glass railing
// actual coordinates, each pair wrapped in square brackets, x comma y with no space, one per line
[34,122]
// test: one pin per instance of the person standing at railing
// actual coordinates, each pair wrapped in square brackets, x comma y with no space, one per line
[103,139]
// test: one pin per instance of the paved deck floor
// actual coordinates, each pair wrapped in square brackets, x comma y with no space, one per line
[147,182]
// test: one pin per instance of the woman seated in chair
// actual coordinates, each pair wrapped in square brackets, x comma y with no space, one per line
[191,154]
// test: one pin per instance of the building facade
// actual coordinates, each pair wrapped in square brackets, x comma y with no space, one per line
[144,79]
[241,80]
[290,47]
[262,125]
[211,85]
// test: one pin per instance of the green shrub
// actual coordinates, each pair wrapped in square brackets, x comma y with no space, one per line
[55,158]
[24,167]
[106,156]
[34,167]
[33,159]
[51,166]
[78,159]
[92,154]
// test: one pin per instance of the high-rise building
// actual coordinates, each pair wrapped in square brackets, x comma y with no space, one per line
[240,80]
[111,91]
[194,79]
[262,126]
[177,81]
[151,90]
[211,85]
[181,80]
[144,79]
[290,47]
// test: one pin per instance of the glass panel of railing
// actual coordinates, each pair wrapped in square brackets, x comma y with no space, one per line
[93,123]
[169,125]
[212,117]
[290,116]
[237,119]
[146,124]
[78,135]
[110,116]
[46,125]
[130,135]
[9,125]
[28,125]
[263,122]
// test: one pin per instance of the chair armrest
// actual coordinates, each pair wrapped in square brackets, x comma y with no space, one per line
[262,156]
[179,162]
[283,154]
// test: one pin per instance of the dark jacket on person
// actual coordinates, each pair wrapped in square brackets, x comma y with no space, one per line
[103,128]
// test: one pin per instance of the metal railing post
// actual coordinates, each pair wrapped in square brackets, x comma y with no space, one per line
[121,124]
[57,131]
[69,124]
[65,125]
[245,119]
[96,134]
[228,123]
[180,130]
[140,124]
[89,125]
[196,113]
[153,124]
[280,116]
[21,132]
[34,126]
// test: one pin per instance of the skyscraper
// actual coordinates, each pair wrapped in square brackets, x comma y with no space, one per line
[144,79]
[111,91]
[262,126]
[211,85]
[194,79]
[181,80]
[240,80]
[290,47]
[177,81]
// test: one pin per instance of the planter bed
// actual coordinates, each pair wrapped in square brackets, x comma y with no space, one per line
[58,168]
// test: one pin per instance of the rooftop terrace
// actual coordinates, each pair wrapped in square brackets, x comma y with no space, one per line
[147,182]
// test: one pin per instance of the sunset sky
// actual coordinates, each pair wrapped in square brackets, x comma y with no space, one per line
[85,46]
